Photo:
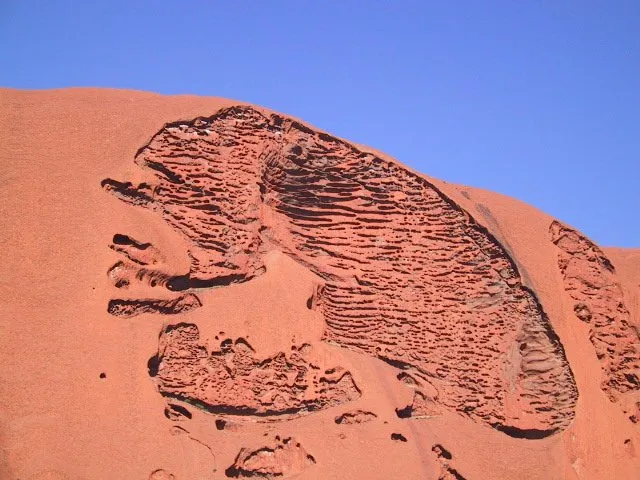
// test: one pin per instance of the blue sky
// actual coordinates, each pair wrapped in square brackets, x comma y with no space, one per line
[539,100]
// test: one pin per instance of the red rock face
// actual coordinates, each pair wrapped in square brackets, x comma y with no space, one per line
[589,279]
[268,301]
[409,276]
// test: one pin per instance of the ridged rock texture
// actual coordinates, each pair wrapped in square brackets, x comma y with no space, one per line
[411,278]
[200,289]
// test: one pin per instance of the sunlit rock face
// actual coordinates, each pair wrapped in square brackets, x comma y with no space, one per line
[197,289]
[410,278]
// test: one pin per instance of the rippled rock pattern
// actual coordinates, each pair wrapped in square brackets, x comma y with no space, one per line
[410,277]
[589,279]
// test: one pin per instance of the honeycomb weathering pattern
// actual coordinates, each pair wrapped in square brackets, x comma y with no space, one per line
[590,281]
[232,380]
[130,308]
[409,276]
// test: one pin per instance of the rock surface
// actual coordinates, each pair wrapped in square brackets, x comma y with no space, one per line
[187,278]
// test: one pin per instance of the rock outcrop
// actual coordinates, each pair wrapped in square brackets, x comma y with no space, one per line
[410,277]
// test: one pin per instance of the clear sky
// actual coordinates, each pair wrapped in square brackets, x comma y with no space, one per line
[539,100]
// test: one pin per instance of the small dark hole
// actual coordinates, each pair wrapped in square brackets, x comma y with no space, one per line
[399,437]
[632,378]
[220,424]
[103,375]
[153,365]
[173,410]
[179,283]
[232,472]
[226,345]
[119,239]
[404,412]
[442,452]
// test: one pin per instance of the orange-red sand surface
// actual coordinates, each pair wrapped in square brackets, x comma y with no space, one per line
[195,288]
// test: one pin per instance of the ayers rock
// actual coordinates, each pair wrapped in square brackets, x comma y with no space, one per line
[196,288]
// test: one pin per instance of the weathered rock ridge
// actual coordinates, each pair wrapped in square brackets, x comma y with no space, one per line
[410,277]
